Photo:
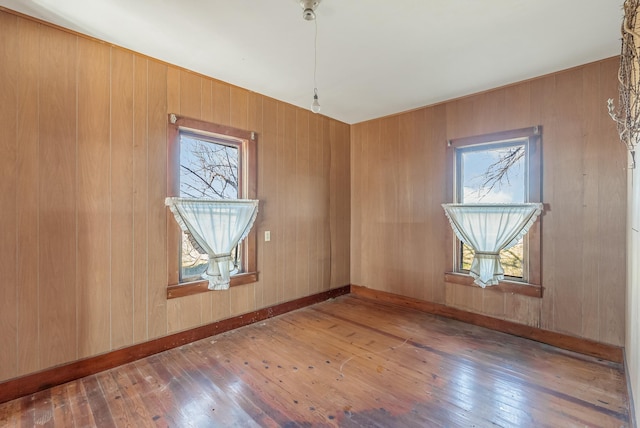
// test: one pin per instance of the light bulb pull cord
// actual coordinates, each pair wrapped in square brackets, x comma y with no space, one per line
[315,57]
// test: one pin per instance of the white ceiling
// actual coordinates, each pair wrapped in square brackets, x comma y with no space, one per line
[375,57]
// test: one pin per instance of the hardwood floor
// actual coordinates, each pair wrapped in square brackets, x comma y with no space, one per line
[345,362]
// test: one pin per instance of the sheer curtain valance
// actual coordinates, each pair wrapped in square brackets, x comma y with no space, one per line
[217,226]
[489,229]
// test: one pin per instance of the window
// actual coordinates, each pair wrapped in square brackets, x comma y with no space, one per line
[210,167]
[502,167]
[213,162]
[493,173]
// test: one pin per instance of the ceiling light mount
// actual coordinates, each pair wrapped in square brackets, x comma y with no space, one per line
[309,9]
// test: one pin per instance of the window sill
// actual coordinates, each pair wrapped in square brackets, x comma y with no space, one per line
[513,287]
[197,287]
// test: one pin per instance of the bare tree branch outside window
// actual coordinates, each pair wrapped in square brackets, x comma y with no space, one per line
[498,172]
[494,175]
[207,170]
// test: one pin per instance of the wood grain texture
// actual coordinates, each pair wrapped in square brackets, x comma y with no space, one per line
[394,160]
[340,191]
[157,192]
[93,247]
[571,343]
[27,205]
[252,243]
[302,209]
[346,362]
[122,199]
[85,143]
[590,227]
[58,197]
[140,201]
[8,195]
[567,201]
[268,179]
[81,368]
[612,200]
[288,211]
[242,298]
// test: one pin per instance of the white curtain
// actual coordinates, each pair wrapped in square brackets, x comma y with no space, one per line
[489,229]
[217,226]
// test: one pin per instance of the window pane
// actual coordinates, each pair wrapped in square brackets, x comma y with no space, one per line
[207,170]
[493,175]
[510,259]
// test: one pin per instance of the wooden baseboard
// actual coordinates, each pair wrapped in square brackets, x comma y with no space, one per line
[48,378]
[564,341]
[632,406]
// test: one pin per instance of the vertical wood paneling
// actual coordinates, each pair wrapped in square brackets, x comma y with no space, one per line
[370,241]
[411,230]
[8,196]
[157,188]
[590,229]
[140,201]
[315,196]
[568,200]
[27,185]
[301,210]
[340,191]
[327,237]
[206,100]
[386,182]
[612,201]
[58,197]
[122,198]
[437,195]
[517,114]
[93,199]
[582,226]
[543,112]
[357,158]
[85,147]
[289,202]
[280,200]
[522,309]
[517,106]
[268,195]
[254,123]
[242,297]
[221,103]
[190,91]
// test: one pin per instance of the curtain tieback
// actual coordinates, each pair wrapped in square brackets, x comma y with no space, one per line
[487,254]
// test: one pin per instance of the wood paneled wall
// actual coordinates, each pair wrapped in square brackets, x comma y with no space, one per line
[398,232]
[83,256]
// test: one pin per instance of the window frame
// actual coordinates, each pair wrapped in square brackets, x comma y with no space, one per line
[531,284]
[247,144]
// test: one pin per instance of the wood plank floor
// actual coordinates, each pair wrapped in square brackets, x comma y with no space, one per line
[345,362]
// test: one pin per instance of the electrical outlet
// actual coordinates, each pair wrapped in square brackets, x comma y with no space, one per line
[267,235]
